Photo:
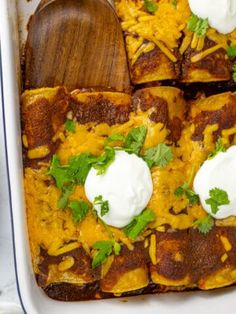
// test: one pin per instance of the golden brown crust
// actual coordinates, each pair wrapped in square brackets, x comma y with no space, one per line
[214,67]
[224,116]
[168,107]
[81,267]
[185,255]
[126,261]
[100,107]
[43,113]
[154,66]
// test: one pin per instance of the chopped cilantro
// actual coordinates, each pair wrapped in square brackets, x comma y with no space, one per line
[204,225]
[74,173]
[104,206]
[79,210]
[150,6]
[135,139]
[159,155]
[217,198]
[219,147]
[234,73]
[231,51]
[190,194]
[116,248]
[63,200]
[58,172]
[105,160]
[114,138]
[139,223]
[79,167]
[70,126]
[104,249]
[174,3]
[198,25]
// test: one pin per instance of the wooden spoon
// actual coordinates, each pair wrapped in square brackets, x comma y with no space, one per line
[75,43]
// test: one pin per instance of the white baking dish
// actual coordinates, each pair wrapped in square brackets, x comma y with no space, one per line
[32,298]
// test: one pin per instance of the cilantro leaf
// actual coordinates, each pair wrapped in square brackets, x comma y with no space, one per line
[115,137]
[217,198]
[70,126]
[117,248]
[104,249]
[138,224]
[105,160]
[181,189]
[135,139]
[58,172]
[75,172]
[79,167]
[159,155]
[174,3]
[104,206]
[198,25]
[219,147]
[204,225]
[234,72]
[184,189]
[150,6]
[63,200]
[79,210]
[231,51]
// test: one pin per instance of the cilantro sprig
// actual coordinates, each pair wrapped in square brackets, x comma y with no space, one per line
[79,210]
[219,147]
[185,189]
[114,138]
[104,205]
[234,72]
[159,155]
[104,249]
[174,3]
[70,126]
[139,223]
[218,197]
[205,224]
[74,173]
[231,51]
[198,25]
[64,198]
[135,140]
[104,161]
[150,6]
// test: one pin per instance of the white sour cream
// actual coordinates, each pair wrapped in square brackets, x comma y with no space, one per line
[219,172]
[126,185]
[221,14]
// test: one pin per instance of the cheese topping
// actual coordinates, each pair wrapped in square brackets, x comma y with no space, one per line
[221,14]
[126,185]
[218,172]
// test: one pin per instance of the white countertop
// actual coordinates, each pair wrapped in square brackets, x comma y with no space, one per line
[9,301]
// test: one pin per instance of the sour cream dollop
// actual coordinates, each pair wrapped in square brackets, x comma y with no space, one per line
[219,172]
[221,14]
[126,185]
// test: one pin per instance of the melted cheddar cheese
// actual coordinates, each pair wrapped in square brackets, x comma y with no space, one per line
[164,29]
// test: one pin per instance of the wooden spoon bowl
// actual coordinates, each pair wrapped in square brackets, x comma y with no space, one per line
[75,43]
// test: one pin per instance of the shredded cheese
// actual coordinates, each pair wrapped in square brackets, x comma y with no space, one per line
[205,53]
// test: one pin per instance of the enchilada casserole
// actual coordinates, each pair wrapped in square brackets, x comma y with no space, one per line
[124,192]
[178,247]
